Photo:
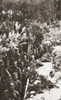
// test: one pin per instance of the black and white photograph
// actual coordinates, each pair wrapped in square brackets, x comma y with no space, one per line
[30,49]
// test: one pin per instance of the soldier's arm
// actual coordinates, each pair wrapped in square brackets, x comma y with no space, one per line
[18,96]
[20,86]
[20,73]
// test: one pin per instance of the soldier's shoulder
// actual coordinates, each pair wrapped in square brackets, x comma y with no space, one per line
[5,91]
[19,82]
[16,92]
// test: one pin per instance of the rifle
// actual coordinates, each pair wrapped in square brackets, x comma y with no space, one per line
[25,94]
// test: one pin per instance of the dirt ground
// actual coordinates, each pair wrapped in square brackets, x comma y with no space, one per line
[52,94]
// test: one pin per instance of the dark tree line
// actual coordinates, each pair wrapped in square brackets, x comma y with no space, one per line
[36,9]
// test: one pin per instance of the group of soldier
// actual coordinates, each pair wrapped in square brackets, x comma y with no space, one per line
[13,75]
[16,63]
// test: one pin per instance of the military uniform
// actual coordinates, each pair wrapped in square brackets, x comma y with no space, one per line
[11,93]
[11,96]
[17,83]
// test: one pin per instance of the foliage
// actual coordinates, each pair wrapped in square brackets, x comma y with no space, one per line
[41,9]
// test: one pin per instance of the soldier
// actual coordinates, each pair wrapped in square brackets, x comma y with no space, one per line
[33,61]
[26,61]
[17,83]
[0,68]
[19,63]
[5,75]
[17,70]
[11,93]
[1,90]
